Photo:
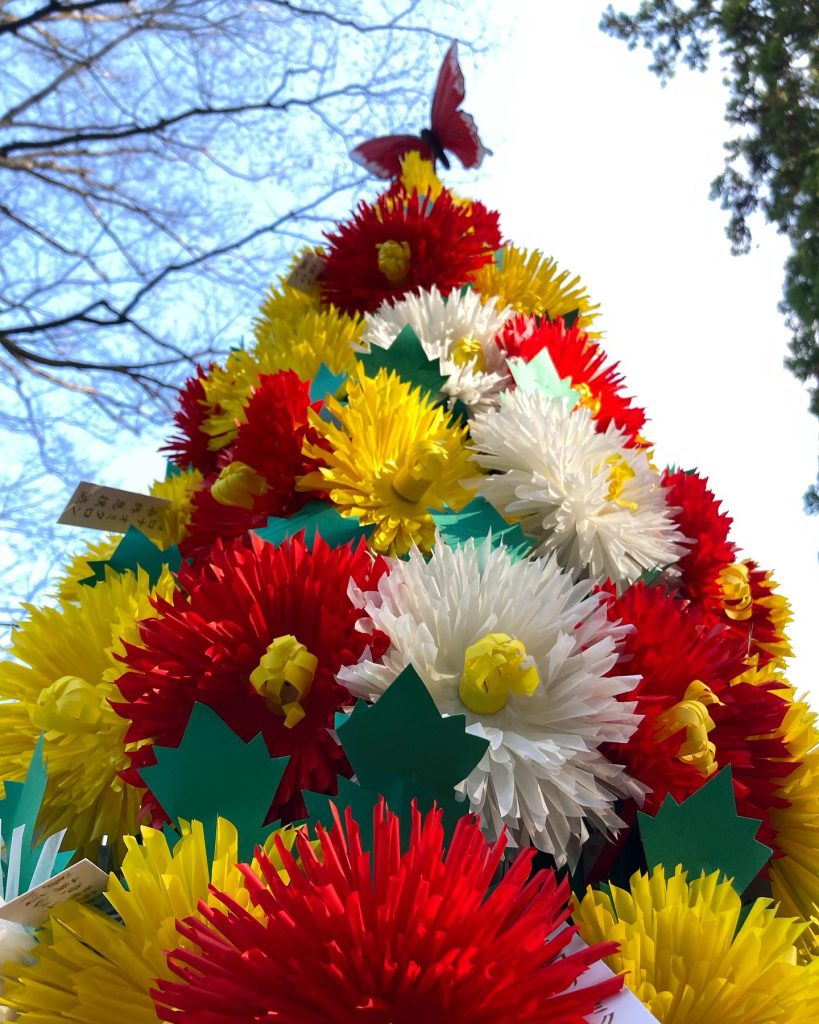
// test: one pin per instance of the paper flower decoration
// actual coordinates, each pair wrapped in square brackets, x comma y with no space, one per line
[530,282]
[404,242]
[60,684]
[257,633]
[394,936]
[580,494]
[259,471]
[391,470]
[691,958]
[189,448]
[526,655]
[91,968]
[459,332]
[698,714]
[582,362]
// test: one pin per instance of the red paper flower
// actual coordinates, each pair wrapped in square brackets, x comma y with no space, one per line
[696,721]
[386,938]
[403,243]
[582,361]
[269,444]
[699,518]
[257,633]
[189,447]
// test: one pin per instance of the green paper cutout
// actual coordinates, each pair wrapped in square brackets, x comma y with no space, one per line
[407,358]
[539,374]
[134,551]
[171,469]
[325,383]
[214,774]
[475,521]
[570,319]
[317,517]
[705,833]
[19,810]
[403,749]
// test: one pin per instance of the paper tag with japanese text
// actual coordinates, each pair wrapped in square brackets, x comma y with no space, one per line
[81,881]
[306,272]
[622,1008]
[107,508]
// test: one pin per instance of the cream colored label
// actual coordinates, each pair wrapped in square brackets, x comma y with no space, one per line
[107,508]
[306,272]
[81,881]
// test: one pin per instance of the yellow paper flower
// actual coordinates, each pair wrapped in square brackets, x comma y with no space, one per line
[60,683]
[77,569]
[419,174]
[795,875]
[294,335]
[532,283]
[392,458]
[178,490]
[685,959]
[89,968]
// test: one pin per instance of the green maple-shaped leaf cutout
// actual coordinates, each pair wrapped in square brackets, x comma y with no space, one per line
[401,748]
[135,551]
[317,517]
[325,383]
[214,774]
[407,358]
[705,833]
[539,375]
[24,862]
[475,521]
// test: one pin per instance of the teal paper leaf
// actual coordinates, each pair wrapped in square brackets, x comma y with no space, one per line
[475,521]
[215,774]
[26,863]
[407,358]
[705,833]
[325,383]
[403,749]
[317,517]
[135,551]
[540,375]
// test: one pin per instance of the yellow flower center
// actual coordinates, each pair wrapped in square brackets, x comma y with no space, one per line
[494,666]
[394,260]
[71,706]
[238,484]
[587,399]
[692,715]
[735,587]
[284,676]
[620,472]
[419,470]
[469,350]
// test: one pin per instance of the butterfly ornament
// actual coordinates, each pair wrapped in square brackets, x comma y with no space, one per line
[452,130]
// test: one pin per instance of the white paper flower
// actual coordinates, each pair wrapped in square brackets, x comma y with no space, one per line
[459,331]
[580,494]
[548,646]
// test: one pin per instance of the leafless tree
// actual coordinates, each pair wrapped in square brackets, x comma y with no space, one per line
[158,159]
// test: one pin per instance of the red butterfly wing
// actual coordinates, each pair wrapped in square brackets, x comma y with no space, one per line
[382,156]
[455,130]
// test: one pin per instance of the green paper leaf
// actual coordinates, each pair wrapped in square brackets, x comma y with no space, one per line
[325,383]
[705,833]
[21,857]
[171,469]
[214,774]
[539,374]
[407,358]
[134,551]
[476,520]
[317,517]
[570,319]
[403,749]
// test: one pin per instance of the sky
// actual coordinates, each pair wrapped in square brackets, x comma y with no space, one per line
[600,167]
